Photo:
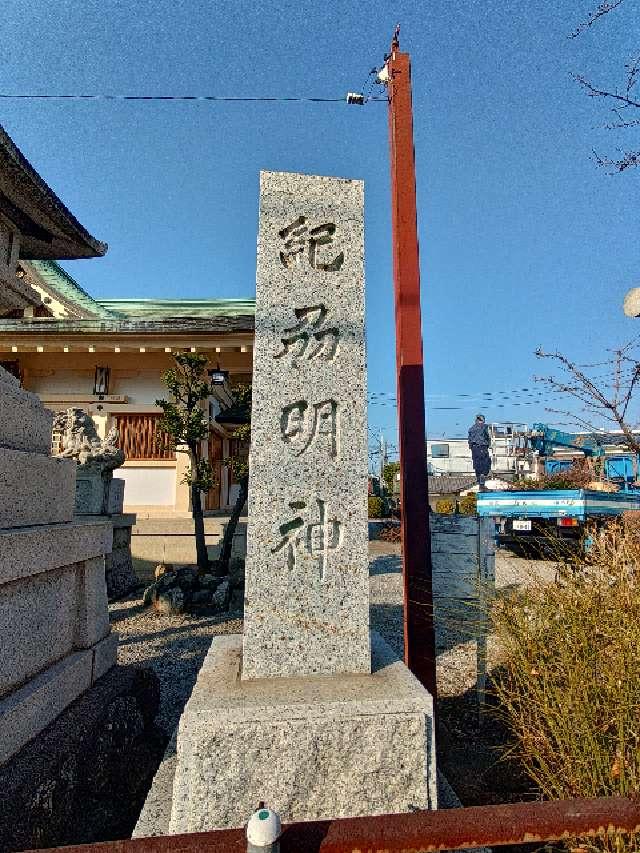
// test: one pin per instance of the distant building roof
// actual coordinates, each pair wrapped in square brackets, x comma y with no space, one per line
[449,484]
[48,228]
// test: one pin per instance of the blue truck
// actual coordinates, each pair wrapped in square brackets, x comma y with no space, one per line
[539,519]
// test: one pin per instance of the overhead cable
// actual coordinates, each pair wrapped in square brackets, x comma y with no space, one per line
[39,96]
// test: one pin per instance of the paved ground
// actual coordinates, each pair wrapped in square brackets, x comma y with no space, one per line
[176,646]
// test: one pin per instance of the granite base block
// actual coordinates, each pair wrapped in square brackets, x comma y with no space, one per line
[156,812]
[28,710]
[25,424]
[29,551]
[105,655]
[35,489]
[92,492]
[92,608]
[313,748]
[38,622]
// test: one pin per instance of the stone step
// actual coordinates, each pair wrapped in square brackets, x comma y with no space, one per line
[182,526]
[35,489]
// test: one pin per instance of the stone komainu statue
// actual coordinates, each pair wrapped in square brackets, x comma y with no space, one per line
[80,441]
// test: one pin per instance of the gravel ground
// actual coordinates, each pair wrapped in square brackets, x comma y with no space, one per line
[456,653]
[175,646]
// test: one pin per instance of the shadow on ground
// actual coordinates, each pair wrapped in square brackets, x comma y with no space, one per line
[473,752]
[385,564]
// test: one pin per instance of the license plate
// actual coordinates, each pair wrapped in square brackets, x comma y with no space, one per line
[522,525]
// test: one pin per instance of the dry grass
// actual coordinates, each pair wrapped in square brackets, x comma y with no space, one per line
[569,681]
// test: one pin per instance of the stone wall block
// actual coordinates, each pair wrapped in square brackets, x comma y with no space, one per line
[29,709]
[35,489]
[37,624]
[92,608]
[24,422]
[29,551]
[105,655]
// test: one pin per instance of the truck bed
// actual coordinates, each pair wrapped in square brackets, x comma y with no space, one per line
[574,503]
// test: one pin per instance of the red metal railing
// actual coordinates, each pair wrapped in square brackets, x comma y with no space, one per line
[446,829]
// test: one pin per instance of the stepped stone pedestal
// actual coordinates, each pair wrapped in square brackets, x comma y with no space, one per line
[54,624]
[306,711]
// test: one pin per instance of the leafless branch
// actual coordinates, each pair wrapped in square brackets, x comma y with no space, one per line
[633,70]
[608,400]
[629,160]
[594,92]
[576,420]
[616,125]
[603,9]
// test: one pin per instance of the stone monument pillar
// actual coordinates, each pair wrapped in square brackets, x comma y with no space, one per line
[307,577]
[307,711]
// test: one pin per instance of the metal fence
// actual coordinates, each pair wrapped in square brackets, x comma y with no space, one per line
[446,829]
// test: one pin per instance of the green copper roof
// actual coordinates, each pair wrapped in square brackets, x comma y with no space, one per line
[132,313]
[59,280]
[160,309]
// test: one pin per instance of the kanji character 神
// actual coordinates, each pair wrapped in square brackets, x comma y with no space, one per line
[316,538]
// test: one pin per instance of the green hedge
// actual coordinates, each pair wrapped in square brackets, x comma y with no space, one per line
[376,507]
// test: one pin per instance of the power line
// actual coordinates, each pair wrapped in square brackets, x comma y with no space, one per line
[37,96]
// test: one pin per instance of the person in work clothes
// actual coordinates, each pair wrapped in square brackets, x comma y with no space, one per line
[479,442]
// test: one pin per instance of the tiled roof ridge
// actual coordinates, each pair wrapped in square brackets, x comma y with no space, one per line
[137,309]
[57,278]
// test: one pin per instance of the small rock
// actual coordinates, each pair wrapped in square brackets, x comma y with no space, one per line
[165,582]
[236,574]
[149,595]
[170,603]
[215,568]
[187,577]
[236,600]
[220,598]
[163,569]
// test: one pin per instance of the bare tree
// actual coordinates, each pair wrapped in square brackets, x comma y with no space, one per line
[606,400]
[625,103]
[593,16]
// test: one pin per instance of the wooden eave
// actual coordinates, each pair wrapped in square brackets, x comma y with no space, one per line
[19,339]
[48,229]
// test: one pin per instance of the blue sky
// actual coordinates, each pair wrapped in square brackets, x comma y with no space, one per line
[524,241]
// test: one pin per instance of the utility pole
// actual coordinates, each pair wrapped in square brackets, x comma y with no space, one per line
[419,635]
[383,458]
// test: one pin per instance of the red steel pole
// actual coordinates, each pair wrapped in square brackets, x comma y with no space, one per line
[419,636]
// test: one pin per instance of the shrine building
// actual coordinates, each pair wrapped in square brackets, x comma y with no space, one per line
[108,356]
